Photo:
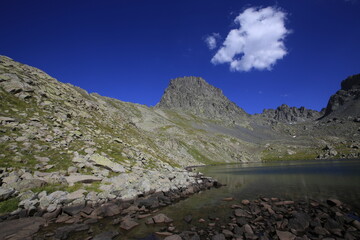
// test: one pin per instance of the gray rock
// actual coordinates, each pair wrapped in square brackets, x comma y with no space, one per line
[283,235]
[161,218]
[6,193]
[82,178]
[173,237]
[128,224]
[19,229]
[63,232]
[218,237]
[107,210]
[106,235]
[27,184]
[102,161]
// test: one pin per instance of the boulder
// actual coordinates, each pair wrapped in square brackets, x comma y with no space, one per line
[64,232]
[128,224]
[283,235]
[27,184]
[162,218]
[82,179]
[104,162]
[6,193]
[106,235]
[106,210]
[22,228]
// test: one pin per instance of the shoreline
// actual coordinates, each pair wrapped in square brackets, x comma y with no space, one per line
[25,223]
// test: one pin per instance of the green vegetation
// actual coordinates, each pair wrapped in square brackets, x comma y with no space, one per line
[9,205]
[267,155]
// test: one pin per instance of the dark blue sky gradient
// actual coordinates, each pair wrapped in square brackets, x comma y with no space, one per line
[131,49]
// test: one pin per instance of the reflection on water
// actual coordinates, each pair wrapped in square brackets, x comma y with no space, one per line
[305,179]
[289,180]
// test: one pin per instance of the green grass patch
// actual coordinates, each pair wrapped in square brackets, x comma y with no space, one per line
[93,187]
[267,155]
[9,205]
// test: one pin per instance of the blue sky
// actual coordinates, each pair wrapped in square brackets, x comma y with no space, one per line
[130,49]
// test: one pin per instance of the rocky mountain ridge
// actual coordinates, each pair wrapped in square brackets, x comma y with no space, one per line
[57,136]
[345,102]
[287,114]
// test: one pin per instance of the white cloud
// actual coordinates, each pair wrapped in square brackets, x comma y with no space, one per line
[212,40]
[257,43]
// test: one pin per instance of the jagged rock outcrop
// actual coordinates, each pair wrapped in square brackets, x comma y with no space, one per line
[345,102]
[195,95]
[287,114]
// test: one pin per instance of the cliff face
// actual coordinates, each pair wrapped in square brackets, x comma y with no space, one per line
[195,95]
[345,102]
[287,114]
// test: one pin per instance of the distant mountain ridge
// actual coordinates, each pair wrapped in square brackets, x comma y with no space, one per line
[287,114]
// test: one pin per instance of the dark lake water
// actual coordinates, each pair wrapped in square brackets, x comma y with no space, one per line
[318,180]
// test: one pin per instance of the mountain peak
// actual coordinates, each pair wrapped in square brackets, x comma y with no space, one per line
[195,95]
[345,102]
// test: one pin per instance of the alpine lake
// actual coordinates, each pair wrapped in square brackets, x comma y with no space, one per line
[288,180]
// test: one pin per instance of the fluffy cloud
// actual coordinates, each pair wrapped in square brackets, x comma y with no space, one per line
[212,40]
[258,42]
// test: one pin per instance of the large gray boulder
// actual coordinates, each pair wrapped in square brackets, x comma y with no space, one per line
[104,162]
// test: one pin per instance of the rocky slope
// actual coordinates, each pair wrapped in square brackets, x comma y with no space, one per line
[345,102]
[287,114]
[56,137]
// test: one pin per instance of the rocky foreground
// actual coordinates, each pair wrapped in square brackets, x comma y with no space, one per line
[264,218]
[82,208]
[272,218]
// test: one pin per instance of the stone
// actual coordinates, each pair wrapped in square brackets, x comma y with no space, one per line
[27,184]
[73,210]
[107,210]
[188,218]
[248,229]
[245,202]
[163,234]
[82,179]
[218,237]
[173,237]
[283,235]
[109,235]
[6,193]
[128,224]
[162,218]
[65,231]
[334,202]
[23,228]
[72,170]
[241,213]
[102,161]
[227,233]
[300,222]
[76,195]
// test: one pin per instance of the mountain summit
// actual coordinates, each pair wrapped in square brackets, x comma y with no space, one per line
[195,95]
[346,101]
